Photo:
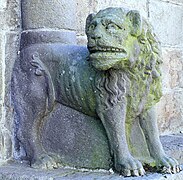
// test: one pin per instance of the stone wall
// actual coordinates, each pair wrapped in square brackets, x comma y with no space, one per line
[10,27]
[166,17]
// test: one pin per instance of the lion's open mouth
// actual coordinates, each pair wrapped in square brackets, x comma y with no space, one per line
[106,49]
[104,58]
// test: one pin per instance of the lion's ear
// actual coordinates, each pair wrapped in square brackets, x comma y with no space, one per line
[88,21]
[136,21]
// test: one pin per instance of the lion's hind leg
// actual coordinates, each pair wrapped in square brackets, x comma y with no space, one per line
[33,98]
[42,76]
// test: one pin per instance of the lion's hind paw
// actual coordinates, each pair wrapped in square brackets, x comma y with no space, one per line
[130,167]
[134,172]
[168,165]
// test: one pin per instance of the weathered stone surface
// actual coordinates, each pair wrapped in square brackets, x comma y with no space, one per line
[9,29]
[175,58]
[50,72]
[2,58]
[172,80]
[166,19]
[172,69]
[170,112]
[21,172]
[11,49]
[178,2]
[48,14]
[79,140]
[2,42]
[130,4]
[43,36]
[10,15]
[13,15]
[64,134]
[3,4]
[3,20]
[171,107]
[173,145]
[83,8]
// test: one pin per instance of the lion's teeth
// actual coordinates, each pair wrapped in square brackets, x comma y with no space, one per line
[106,49]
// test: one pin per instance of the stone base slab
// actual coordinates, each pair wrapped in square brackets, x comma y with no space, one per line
[20,172]
[173,145]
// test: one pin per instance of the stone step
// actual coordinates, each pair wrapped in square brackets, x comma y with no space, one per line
[173,145]
[20,172]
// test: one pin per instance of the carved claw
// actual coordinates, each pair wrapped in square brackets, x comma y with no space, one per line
[168,165]
[130,167]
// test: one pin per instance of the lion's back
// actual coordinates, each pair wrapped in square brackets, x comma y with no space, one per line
[74,80]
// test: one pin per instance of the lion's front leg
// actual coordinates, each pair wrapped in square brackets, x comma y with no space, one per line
[113,120]
[148,122]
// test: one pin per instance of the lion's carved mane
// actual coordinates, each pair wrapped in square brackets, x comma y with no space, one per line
[143,74]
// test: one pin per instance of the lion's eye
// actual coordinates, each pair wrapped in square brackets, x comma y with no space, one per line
[112,26]
[91,27]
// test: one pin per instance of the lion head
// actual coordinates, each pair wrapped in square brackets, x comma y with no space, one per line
[121,40]
[117,37]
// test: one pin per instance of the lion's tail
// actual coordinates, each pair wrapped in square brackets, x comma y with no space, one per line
[42,70]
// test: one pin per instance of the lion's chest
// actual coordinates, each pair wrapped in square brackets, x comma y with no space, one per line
[142,94]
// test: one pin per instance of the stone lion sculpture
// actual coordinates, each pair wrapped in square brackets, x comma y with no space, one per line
[126,52]
[118,81]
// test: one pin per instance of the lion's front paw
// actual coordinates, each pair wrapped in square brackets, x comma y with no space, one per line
[129,166]
[47,161]
[167,164]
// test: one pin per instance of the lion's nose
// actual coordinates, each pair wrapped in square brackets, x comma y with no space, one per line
[96,36]
[97,33]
